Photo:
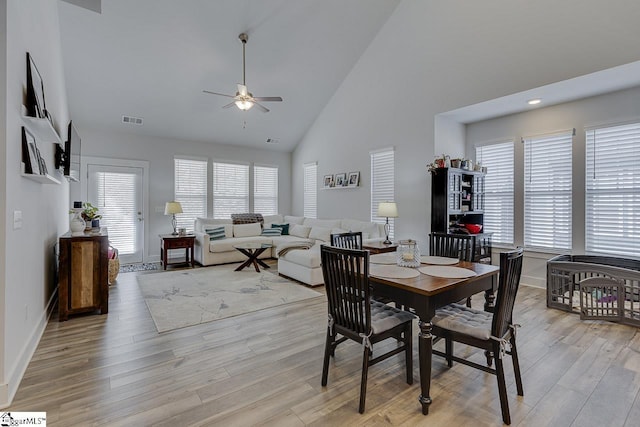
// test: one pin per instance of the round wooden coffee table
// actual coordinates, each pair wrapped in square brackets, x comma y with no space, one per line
[252,251]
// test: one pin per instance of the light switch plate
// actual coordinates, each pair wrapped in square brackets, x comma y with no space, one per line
[17,220]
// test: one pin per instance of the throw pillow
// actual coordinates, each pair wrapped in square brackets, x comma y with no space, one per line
[247,230]
[272,232]
[300,231]
[216,233]
[283,227]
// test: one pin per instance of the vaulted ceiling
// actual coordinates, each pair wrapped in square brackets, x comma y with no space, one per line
[152,59]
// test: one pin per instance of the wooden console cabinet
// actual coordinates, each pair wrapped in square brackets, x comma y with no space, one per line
[83,272]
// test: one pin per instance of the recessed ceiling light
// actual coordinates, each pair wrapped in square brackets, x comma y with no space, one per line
[534,101]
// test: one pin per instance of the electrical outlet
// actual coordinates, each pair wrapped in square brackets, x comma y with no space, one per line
[160,209]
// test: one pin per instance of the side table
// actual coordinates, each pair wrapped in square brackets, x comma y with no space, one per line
[379,247]
[172,241]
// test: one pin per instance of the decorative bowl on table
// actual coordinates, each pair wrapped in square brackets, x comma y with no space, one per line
[473,228]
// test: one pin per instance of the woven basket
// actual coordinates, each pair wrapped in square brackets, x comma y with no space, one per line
[114,267]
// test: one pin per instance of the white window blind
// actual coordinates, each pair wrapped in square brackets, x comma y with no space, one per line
[230,189]
[382,184]
[265,190]
[310,196]
[116,197]
[613,190]
[499,195]
[190,189]
[547,191]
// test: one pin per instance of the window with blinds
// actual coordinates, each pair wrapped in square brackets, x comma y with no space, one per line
[190,176]
[310,195]
[547,191]
[499,193]
[116,197]
[230,189]
[382,184]
[265,190]
[613,190]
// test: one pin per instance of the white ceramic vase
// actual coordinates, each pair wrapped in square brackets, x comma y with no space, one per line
[77,224]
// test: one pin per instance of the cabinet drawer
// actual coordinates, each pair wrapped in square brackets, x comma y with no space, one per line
[178,244]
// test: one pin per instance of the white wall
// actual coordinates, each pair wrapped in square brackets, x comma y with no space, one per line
[433,57]
[616,107]
[160,152]
[28,283]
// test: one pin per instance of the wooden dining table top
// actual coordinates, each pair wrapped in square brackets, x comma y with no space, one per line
[428,285]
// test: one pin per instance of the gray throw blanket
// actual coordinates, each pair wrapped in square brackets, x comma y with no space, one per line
[293,246]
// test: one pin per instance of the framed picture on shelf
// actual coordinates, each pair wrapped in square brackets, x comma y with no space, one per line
[35,90]
[341,179]
[328,181]
[30,153]
[354,179]
[41,163]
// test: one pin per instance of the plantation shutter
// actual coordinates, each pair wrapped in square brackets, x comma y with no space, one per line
[613,190]
[230,189]
[499,190]
[265,190]
[547,191]
[382,184]
[310,196]
[190,189]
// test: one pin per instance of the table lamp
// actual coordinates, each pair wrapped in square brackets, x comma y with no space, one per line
[388,210]
[173,208]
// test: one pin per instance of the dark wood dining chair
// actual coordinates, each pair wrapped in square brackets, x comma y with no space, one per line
[491,332]
[355,316]
[453,246]
[349,240]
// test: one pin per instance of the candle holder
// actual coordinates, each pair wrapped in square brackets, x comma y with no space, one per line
[408,253]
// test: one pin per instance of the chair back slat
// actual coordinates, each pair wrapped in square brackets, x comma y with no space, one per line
[508,284]
[346,279]
[451,245]
[349,240]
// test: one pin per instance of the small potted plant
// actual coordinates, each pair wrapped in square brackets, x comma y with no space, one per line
[90,215]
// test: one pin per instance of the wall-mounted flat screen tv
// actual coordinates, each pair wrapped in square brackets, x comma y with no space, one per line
[72,154]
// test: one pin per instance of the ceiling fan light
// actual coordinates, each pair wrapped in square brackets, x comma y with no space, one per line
[244,105]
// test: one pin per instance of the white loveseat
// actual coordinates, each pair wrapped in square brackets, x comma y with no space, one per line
[299,264]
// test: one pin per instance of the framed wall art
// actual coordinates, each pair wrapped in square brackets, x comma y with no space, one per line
[354,179]
[341,179]
[35,90]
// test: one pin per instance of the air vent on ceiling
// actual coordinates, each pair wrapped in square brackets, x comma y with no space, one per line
[272,141]
[132,120]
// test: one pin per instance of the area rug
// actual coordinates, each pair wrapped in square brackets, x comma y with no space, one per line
[184,298]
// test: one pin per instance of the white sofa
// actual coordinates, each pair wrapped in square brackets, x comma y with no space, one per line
[298,264]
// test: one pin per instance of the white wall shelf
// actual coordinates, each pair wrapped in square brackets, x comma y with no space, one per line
[340,188]
[42,179]
[42,129]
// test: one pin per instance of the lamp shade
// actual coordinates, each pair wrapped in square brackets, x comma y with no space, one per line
[171,208]
[388,209]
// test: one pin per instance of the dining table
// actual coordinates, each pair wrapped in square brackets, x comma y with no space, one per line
[424,294]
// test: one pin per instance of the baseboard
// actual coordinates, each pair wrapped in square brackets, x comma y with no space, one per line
[8,391]
[533,281]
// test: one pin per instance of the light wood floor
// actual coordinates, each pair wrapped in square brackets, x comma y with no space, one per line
[264,368]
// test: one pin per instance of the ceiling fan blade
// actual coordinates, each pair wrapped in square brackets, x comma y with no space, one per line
[267,98]
[242,90]
[261,107]
[229,105]
[220,94]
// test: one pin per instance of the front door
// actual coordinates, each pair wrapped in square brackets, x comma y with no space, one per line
[117,191]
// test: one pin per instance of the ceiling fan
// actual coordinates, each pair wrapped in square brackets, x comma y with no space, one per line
[244,99]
